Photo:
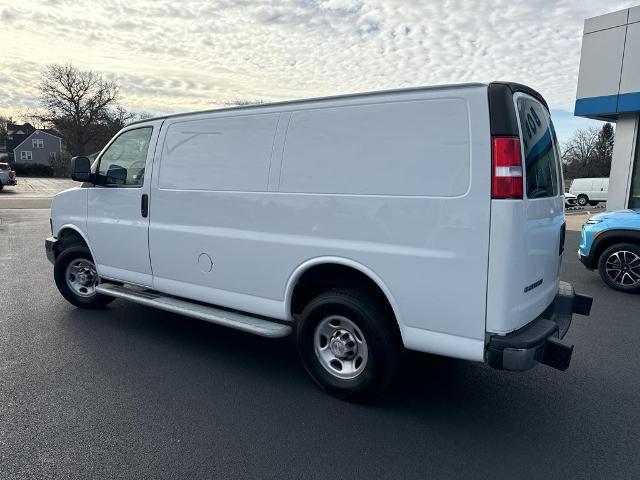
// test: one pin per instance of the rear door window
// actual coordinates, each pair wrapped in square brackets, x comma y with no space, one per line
[540,145]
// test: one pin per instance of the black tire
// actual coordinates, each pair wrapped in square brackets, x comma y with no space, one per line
[633,267]
[1,186]
[65,257]
[582,200]
[380,333]
[592,203]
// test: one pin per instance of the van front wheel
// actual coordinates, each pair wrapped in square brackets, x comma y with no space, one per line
[76,278]
[348,344]
[583,200]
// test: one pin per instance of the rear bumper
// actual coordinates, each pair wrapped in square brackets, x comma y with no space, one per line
[49,245]
[11,182]
[539,340]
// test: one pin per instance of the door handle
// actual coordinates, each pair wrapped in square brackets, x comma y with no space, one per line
[144,205]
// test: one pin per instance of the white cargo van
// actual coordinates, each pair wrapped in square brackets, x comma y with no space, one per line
[429,219]
[590,190]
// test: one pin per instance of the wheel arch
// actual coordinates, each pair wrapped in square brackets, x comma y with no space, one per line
[315,268]
[611,237]
[70,234]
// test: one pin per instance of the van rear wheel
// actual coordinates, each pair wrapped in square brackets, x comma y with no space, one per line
[348,343]
[76,278]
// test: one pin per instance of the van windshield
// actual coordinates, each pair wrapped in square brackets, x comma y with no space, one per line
[541,158]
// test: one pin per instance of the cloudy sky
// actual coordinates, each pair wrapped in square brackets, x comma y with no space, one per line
[172,56]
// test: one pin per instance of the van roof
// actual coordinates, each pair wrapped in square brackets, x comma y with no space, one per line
[316,99]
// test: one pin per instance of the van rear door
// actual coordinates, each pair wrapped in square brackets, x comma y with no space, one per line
[527,228]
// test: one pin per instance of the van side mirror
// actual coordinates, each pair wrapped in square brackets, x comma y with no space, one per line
[81,169]
[116,175]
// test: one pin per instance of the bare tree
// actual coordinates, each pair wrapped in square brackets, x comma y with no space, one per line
[604,151]
[74,102]
[4,122]
[588,153]
[578,151]
[60,164]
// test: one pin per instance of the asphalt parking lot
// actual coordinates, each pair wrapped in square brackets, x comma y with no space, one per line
[131,392]
[33,192]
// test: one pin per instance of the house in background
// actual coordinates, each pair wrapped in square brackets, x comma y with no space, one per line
[16,134]
[27,144]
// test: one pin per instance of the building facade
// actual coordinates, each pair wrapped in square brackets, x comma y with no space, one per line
[609,89]
[33,145]
[16,134]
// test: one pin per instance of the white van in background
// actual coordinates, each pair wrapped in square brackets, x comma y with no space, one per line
[429,219]
[590,190]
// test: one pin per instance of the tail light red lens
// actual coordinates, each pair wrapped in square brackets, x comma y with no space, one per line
[12,174]
[506,174]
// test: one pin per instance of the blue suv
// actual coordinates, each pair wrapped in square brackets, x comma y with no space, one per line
[610,242]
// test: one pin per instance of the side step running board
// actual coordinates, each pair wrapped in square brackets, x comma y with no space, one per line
[239,321]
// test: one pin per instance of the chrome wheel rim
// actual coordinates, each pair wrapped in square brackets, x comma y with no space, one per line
[623,268]
[81,277]
[340,347]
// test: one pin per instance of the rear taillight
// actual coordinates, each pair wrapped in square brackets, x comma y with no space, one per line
[12,174]
[506,174]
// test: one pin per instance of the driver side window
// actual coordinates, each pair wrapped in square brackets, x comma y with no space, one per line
[124,161]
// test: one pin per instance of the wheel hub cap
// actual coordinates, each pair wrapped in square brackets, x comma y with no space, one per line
[623,268]
[85,277]
[81,277]
[341,347]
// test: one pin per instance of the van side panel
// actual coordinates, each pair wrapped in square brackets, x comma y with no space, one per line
[428,243]
[412,148]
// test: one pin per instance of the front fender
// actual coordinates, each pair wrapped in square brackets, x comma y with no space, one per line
[608,237]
